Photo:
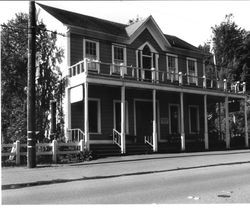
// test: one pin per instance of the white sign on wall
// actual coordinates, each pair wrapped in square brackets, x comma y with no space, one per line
[76,94]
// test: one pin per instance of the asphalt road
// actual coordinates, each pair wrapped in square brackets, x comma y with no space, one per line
[216,184]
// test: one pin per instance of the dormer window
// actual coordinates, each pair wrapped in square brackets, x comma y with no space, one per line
[119,58]
[91,52]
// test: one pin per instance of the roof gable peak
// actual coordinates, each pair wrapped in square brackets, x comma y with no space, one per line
[135,29]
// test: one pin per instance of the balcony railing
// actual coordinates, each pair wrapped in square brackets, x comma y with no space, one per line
[154,76]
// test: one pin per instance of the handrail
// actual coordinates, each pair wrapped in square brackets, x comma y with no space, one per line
[148,140]
[158,76]
[75,134]
[117,138]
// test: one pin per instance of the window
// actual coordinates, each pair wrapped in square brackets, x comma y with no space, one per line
[174,115]
[119,58]
[117,116]
[194,125]
[92,53]
[172,68]
[94,116]
[192,71]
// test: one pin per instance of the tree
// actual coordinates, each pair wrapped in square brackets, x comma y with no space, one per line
[228,38]
[14,77]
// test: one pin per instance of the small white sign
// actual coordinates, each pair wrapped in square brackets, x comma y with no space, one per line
[76,94]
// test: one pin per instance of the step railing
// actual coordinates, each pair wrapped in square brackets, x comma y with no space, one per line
[75,135]
[148,140]
[117,137]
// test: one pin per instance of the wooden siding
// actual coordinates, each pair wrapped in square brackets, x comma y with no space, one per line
[76,48]
[145,36]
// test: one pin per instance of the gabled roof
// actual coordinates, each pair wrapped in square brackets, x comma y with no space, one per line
[128,32]
[179,43]
[88,22]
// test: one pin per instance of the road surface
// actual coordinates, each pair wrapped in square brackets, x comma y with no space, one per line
[215,184]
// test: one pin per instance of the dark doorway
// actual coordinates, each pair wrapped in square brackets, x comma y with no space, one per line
[147,68]
[144,119]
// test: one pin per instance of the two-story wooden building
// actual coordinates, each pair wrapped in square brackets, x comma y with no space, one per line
[132,88]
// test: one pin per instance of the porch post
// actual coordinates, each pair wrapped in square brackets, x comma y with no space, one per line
[123,121]
[67,113]
[155,144]
[205,124]
[227,123]
[182,123]
[86,114]
[246,125]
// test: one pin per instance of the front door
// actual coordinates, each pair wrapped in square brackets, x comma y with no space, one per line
[147,68]
[144,120]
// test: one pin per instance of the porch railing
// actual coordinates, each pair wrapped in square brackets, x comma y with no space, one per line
[117,137]
[154,76]
[148,140]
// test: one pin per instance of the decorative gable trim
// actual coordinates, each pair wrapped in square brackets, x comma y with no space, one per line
[154,30]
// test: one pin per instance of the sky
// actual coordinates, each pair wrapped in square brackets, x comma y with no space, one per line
[188,20]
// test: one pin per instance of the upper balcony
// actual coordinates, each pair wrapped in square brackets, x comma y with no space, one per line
[101,71]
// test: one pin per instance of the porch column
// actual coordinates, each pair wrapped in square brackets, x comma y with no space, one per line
[205,124]
[86,114]
[227,123]
[67,113]
[246,125]
[182,123]
[123,121]
[155,144]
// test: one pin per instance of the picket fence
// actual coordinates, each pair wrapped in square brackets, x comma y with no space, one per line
[54,149]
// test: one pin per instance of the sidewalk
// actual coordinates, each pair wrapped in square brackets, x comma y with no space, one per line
[17,177]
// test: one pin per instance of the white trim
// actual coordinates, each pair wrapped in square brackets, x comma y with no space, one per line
[176,64]
[158,115]
[114,114]
[158,37]
[124,55]
[68,47]
[179,118]
[150,46]
[97,50]
[198,119]
[98,115]
[196,72]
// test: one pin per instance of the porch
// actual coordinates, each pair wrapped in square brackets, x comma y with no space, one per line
[134,110]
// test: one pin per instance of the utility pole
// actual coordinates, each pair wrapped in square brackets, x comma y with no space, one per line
[31,94]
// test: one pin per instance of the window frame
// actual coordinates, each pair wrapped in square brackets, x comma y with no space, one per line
[195,72]
[176,67]
[124,56]
[97,52]
[98,100]
[114,115]
[179,117]
[198,118]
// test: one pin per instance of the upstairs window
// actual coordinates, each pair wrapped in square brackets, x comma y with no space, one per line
[172,68]
[119,58]
[92,53]
[192,71]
